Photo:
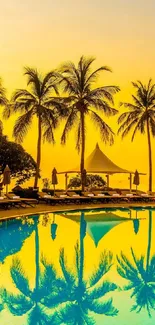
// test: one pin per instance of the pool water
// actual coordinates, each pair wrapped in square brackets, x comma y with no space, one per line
[79,267]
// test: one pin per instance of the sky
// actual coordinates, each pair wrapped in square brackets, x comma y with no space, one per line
[118,33]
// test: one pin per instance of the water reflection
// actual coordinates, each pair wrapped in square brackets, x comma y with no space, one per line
[54,227]
[28,300]
[13,235]
[62,294]
[140,273]
[84,295]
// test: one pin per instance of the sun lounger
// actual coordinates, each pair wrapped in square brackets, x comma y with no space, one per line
[7,203]
[147,197]
[27,201]
[93,196]
[47,198]
[73,194]
[60,194]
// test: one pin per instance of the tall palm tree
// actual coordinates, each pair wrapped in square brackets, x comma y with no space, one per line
[85,100]
[37,102]
[140,274]
[30,301]
[140,117]
[79,296]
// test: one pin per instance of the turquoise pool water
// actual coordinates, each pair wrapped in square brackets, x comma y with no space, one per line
[79,267]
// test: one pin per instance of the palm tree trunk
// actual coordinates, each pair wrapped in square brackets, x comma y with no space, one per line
[38,153]
[36,256]
[82,149]
[149,241]
[150,156]
[81,250]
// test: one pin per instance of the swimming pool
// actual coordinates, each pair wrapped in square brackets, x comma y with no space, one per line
[79,267]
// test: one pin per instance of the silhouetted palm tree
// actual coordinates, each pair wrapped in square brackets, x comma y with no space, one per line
[78,295]
[29,301]
[141,276]
[82,99]
[140,117]
[37,102]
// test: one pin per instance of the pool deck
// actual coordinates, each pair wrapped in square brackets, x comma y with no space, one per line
[45,208]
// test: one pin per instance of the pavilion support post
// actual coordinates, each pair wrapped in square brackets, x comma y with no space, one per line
[130,179]
[66,181]
[107,176]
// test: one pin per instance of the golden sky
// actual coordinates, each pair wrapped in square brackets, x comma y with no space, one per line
[119,33]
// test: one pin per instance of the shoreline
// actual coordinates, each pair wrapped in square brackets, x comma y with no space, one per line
[45,208]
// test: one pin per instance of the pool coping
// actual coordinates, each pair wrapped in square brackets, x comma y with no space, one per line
[60,209]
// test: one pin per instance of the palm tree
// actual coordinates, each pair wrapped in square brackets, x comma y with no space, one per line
[141,276]
[30,301]
[36,102]
[82,99]
[140,117]
[79,296]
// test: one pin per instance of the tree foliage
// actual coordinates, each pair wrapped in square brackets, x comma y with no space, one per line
[21,164]
[91,180]
[140,117]
[37,101]
[83,98]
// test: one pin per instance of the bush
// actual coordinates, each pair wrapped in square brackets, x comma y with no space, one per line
[95,181]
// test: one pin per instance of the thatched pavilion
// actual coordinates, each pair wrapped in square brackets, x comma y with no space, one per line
[99,163]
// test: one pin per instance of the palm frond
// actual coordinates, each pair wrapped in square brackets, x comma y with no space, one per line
[19,278]
[104,266]
[106,132]
[56,298]
[102,106]
[18,305]
[49,122]
[68,314]
[138,101]
[68,275]
[49,134]
[7,111]
[50,82]
[152,125]
[106,92]
[130,106]
[22,94]
[1,128]
[48,278]
[22,125]
[34,80]
[104,288]
[139,127]
[125,130]
[127,270]
[104,308]
[38,315]
[94,75]
[123,117]
[3,98]
[69,124]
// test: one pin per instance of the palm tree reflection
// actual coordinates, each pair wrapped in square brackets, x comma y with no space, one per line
[140,274]
[81,296]
[66,299]
[30,301]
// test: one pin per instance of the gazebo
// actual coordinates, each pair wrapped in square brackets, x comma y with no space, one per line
[99,163]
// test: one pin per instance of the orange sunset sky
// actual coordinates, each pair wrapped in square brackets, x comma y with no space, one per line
[43,34]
